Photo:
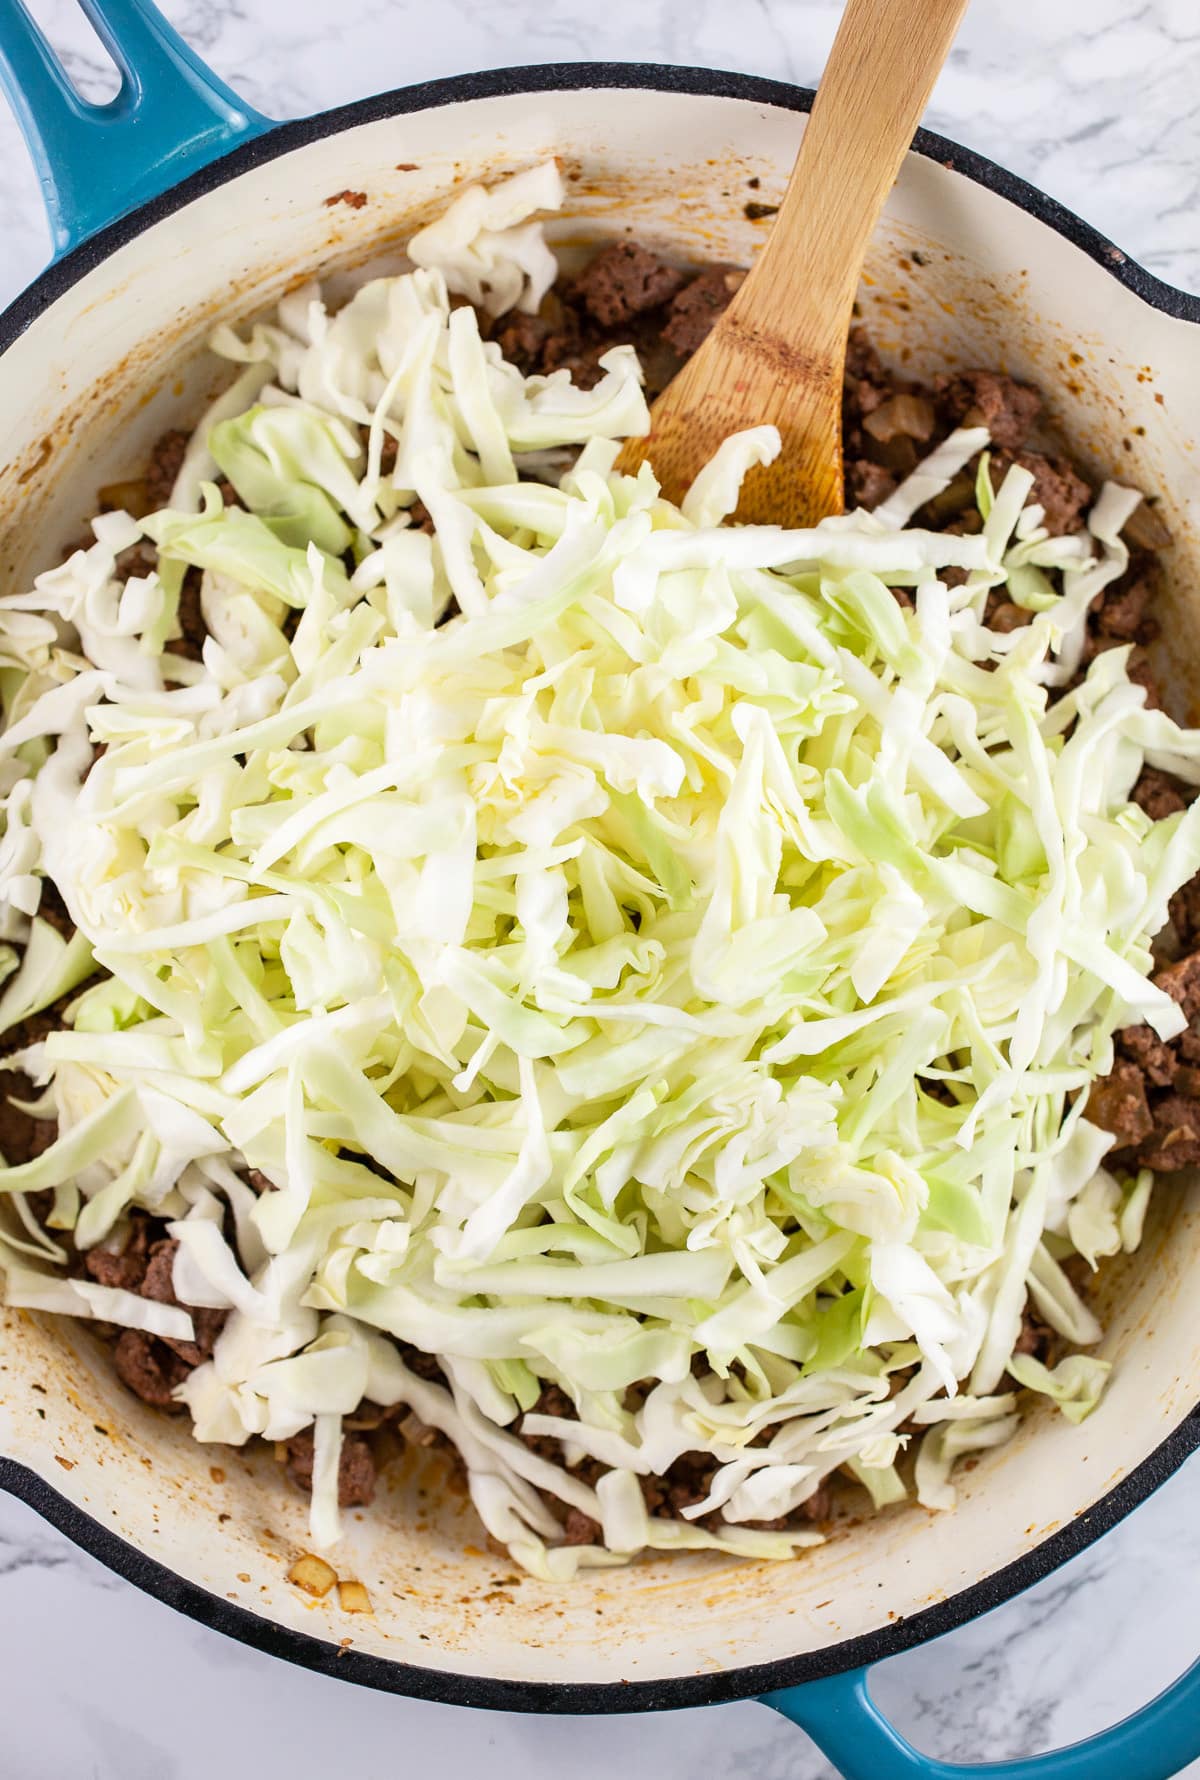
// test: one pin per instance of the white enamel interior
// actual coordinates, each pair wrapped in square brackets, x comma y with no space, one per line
[86,388]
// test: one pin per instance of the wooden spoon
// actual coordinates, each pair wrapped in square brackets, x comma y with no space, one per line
[778,352]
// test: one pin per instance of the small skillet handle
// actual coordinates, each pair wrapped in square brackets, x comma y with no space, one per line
[844,1722]
[171,117]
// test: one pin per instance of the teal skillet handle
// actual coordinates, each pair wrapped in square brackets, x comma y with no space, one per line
[96,162]
[846,1725]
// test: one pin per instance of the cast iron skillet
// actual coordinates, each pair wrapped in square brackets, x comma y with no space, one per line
[109,172]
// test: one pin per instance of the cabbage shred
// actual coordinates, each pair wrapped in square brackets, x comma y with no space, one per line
[681,968]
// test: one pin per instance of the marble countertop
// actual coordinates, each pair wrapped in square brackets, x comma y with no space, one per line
[1094,100]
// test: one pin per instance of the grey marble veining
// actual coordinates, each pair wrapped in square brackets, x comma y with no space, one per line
[1098,101]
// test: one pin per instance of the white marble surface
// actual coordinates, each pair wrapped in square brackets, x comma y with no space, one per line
[1095,100]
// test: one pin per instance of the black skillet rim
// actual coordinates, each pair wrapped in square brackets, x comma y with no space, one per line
[492,1693]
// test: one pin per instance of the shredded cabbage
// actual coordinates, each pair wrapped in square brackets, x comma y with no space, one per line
[676,978]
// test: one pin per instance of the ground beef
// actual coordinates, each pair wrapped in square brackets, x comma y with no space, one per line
[1142,674]
[165,461]
[1151,1100]
[158,1281]
[522,340]
[356,1468]
[1158,794]
[54,910]
[193,630]
[1063,495]
[420,518]
[159,1285]
[38,1026]
[424,1365]
[889,422]
[694,311]
[863,363]
[108,1268]
[151,1366]
[136,563]
[140,559]
[580,1529]
[564,335]
[686,1483]
[867,484]
[624,280]
[148,1368]
[541,342]
[21,1136]
[1036,1337]
[356,1473]
[1122,609]
[1181,981]
[1185,913]
[818,1506]
[988,398]
[555,1402]
[1118,1103]
[1175,1142]
[663,311]
[370,1416]
[1156,1060]
[125,1269]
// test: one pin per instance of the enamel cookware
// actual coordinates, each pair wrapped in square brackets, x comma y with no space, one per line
[174,206]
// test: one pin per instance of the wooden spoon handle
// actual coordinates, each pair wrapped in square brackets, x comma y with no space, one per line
[778,352]
[885,59]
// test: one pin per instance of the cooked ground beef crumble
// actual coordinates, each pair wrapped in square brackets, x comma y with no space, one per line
[1151,1099]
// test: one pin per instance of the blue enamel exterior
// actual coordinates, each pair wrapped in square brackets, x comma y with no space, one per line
[95,162]
[171,118]
[843,1720]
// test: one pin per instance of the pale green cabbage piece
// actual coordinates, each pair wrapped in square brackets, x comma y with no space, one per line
[684,951]
[1075,1384]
